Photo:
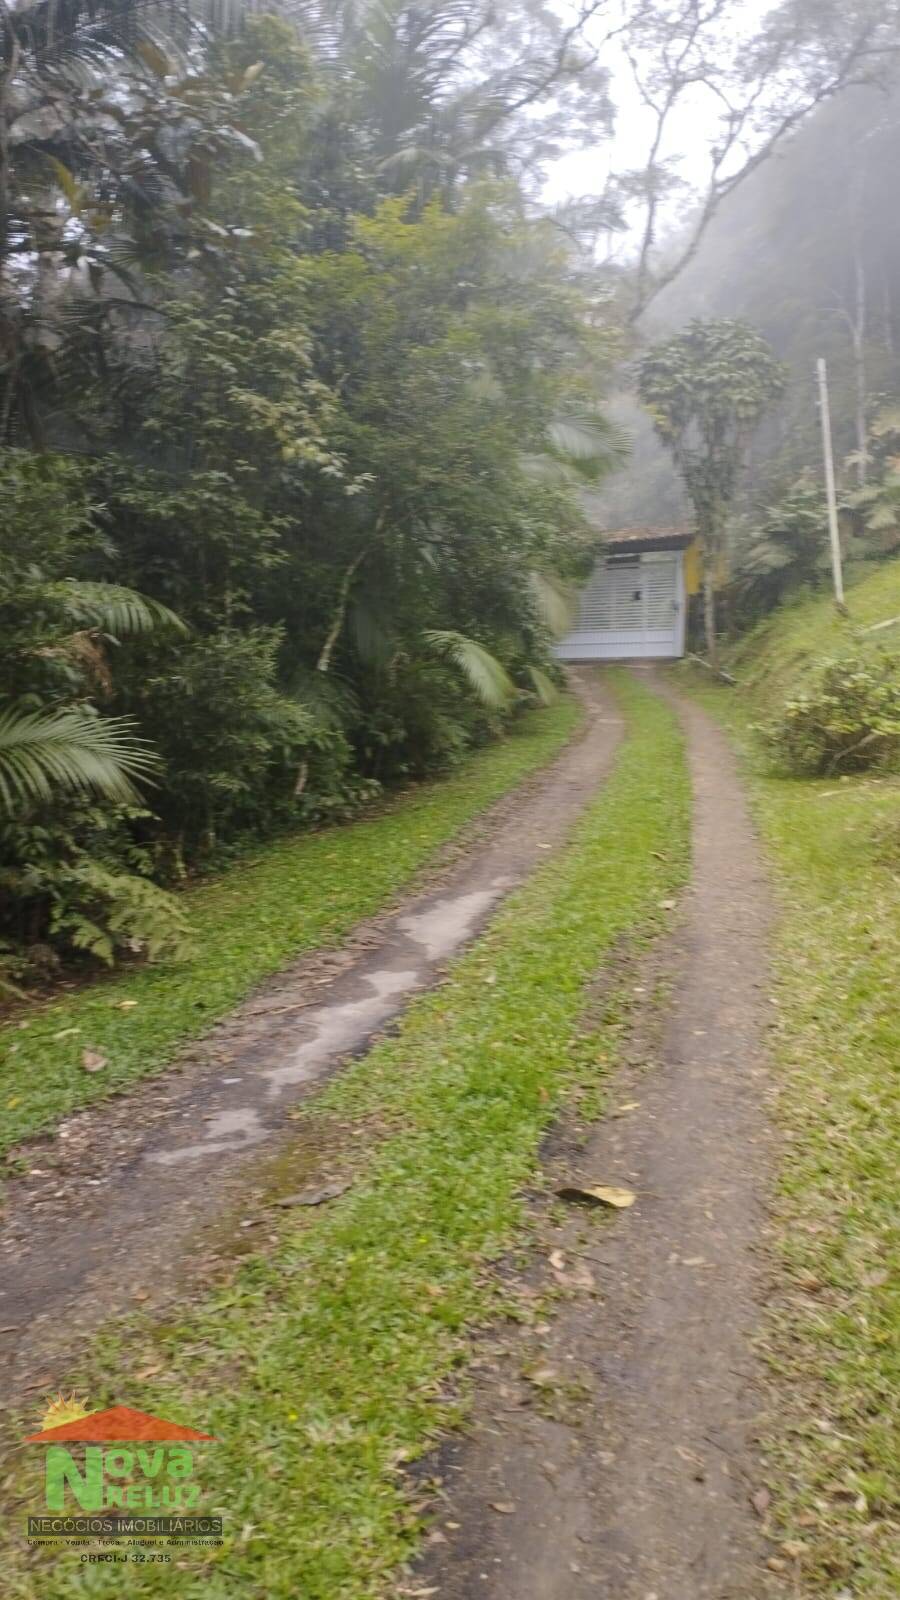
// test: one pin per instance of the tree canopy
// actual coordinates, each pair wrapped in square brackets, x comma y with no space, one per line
[706,389]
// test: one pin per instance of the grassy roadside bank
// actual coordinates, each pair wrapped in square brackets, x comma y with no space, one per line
[323,1366]
[777,657]
[834,1332]
[297,894]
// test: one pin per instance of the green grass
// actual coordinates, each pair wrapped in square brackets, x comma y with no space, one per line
[299,894]
[774,658]
[325,1364]
[834,1333]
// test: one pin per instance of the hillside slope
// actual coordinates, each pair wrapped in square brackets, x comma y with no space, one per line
[777,656]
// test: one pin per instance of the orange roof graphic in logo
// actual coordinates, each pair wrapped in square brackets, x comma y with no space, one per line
[118,1425]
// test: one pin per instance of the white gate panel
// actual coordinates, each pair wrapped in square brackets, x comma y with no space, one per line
[631,607]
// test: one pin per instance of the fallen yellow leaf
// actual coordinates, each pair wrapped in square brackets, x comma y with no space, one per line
[598,1194]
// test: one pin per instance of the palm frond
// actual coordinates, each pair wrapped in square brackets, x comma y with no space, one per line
[485,675]
[555,601]
[117,610]
[72,749]
[585,435]
[329,701]
[374,641]
[543,685]
[586,442]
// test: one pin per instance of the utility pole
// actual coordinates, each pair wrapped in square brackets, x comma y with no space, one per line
[833,530]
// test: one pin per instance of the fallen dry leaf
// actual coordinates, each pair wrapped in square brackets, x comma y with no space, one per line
[761,1501]
[557,1260]
[630,1105]
[148,1372]
[598,1194]
[92,1061]
[506,1507]
[541,1377]
[581,1277]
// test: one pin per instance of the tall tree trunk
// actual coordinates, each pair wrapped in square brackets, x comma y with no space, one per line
[859,330]
[709,610]
[9,45]
[340,611]
[888,312]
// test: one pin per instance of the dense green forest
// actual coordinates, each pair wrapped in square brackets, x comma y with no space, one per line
[284,395]
[301,384]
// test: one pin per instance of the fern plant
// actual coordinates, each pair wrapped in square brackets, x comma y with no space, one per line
[102,913]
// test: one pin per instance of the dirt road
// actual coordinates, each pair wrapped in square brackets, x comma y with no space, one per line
[612,1450]
[613,1447]
[138,1197]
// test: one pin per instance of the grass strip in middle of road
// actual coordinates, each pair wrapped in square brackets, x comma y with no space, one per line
[338,1343]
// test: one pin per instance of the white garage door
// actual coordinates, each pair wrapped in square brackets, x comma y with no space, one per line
[632,606]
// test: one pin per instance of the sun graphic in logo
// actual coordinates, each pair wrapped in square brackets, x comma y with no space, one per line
[61,1409]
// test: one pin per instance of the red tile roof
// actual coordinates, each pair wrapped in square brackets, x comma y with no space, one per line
[648,538]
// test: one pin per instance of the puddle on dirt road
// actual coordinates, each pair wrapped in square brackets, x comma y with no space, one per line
[226,1130]
[443,927]
[335,1029]
[342,1026]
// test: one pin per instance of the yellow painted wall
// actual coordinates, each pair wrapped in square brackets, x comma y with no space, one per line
[693,569]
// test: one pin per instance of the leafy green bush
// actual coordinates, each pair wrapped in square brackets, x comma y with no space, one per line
[846,722]
[784,550]
[81,886]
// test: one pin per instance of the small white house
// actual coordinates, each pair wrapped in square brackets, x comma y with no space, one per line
[635,601]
